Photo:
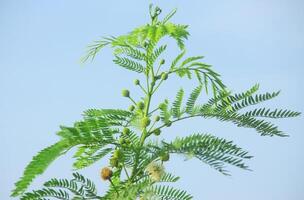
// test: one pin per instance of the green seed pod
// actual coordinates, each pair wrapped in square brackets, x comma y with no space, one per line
[157,118]
[165,157]
[161,105]
[141,105]
[125,131]
[136,82]
[125,93]
[114,162]
[157,132]
[145,122]
[131,108]
[164,76]
[162,61]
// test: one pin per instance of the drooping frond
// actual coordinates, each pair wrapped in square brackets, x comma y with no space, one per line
[94,48]
[39,163]
[214,151]
[226,107]
[204,73]
[129,64]
[77,188]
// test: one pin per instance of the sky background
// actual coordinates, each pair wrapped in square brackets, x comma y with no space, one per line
[43,85]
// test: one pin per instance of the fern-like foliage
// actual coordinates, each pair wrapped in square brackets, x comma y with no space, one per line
[213,151]
[39,163]
[136,167]
[78,188]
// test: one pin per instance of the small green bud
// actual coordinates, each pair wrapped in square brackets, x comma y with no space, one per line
[164,76]
[114,162]
[145,122]
[162,61]
[157,118]
[157,132]
[125,131]
[125,93]
[165,157]
[131,108]
[141,105]
[136,82]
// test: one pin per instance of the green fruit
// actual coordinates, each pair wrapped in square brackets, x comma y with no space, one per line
[136,82]
[145,122]
[162,62]
[141,105]
[125,93]
[165,157]
[157,132]
[131,108]
[157,118]
[125,131]
[164,76]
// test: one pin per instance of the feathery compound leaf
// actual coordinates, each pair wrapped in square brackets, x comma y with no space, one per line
[87,155]
[80,188]
[131,52]
[214,151]
[252,100]
[192,99]
[168,193]
[44,193]
[277,113]
[39,164]
[129,64]
[176,106]
[96,47]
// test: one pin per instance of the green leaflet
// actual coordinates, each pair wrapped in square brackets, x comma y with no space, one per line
[39,164]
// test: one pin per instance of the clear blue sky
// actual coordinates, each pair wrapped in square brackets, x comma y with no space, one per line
[43,85]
